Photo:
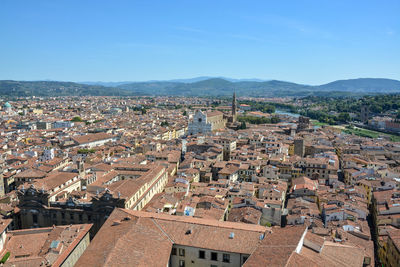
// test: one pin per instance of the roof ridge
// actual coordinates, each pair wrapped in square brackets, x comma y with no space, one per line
[182,219]
[162,230]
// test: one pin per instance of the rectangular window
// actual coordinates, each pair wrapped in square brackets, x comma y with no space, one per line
[173,252]
[214,256]
[181,263]
[182,252]
[226,258]
[202,254]
[34,218]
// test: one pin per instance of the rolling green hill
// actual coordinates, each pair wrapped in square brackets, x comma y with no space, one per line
[203,87]
[52,88]
[222,87]
[370,85]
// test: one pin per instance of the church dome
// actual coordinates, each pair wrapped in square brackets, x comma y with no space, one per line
[7,105]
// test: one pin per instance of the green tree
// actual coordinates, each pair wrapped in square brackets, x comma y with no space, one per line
[275,120]
[77,119]
[398,114]
[85,151]
[5,257]
[344,117]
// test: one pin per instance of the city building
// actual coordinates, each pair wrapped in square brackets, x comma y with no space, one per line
[53,246]
[206,122]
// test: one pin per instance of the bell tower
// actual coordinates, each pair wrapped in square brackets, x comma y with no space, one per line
[81,167]
[234,107]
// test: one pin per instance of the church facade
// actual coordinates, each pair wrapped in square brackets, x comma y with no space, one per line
[206,122]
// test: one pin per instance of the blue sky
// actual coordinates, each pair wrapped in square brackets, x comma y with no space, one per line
[310,42]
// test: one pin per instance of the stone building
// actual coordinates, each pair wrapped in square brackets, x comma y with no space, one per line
[137,238]
[232,122]
[206,122]
[303,123]
[299,147]
[59,199]
[364,114]
[51,246]
[166,240]
[389,252]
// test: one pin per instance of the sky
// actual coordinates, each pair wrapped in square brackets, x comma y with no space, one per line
[309,42]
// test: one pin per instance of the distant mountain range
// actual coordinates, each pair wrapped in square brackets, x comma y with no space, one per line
[201,86]
[190,80]
[53,88]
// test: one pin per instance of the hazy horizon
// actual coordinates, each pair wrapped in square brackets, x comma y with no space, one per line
[183,80]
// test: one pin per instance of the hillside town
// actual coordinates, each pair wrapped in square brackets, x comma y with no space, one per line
[178,181]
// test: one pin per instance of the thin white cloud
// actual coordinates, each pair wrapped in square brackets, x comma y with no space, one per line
[245,37]
[390,32]
[190,29]
[291,24]
[201,33]
[138,45]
